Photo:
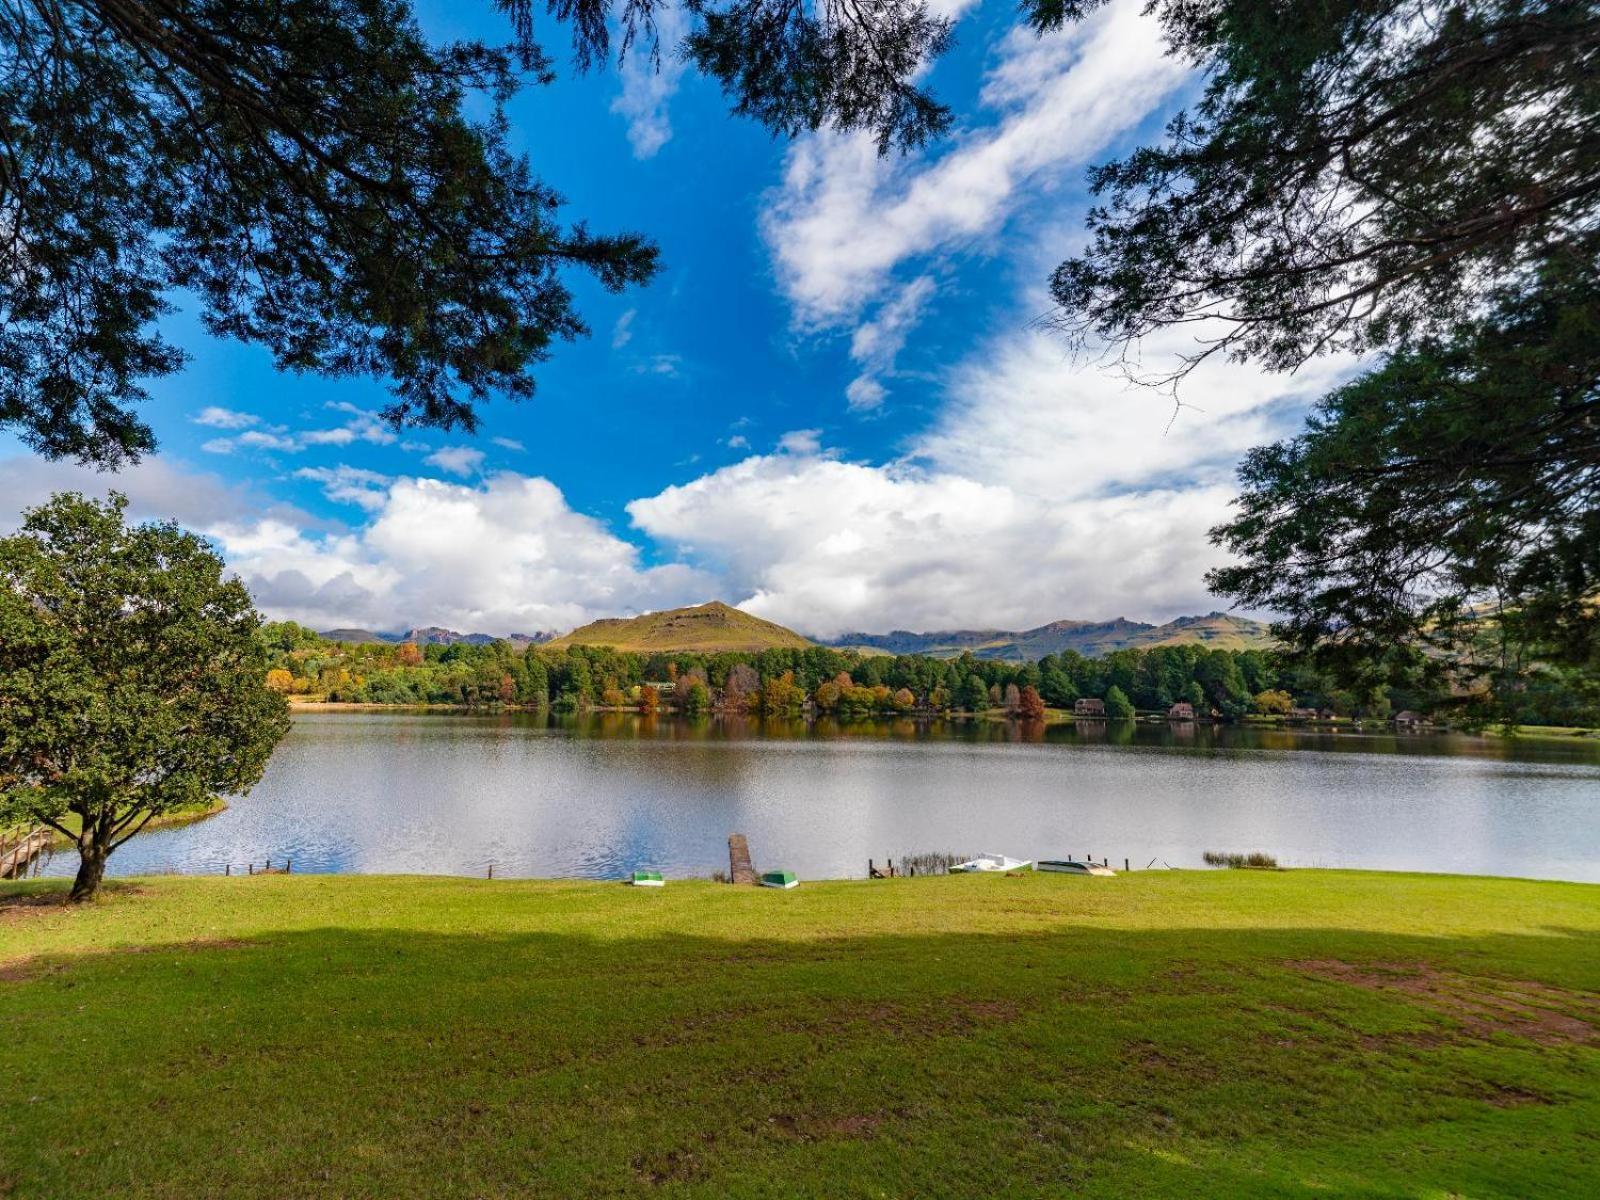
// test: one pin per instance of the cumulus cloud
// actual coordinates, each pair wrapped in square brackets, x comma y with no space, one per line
[830,547]
[504,556]
[846,218]
[1046,489]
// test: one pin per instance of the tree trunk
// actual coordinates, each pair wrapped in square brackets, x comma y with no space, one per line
[91,869]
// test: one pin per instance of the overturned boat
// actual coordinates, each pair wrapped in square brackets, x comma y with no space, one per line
[993,862]
[1072,866]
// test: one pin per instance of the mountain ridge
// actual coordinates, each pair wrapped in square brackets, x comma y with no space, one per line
[1222,631]
[717,626]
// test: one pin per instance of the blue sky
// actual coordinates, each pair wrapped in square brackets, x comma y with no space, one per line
[832,407]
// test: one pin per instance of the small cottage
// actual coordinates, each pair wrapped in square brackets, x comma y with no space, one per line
[1181,711]
[1409,720]
[1089,707]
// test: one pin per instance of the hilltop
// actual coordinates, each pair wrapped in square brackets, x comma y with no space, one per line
[1219,631]
[708,628]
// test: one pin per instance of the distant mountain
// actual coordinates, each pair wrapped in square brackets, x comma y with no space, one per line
[431,635]
[1221,631]
[707,627]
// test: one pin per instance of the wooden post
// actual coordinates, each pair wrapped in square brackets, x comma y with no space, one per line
[252,868]
[891,868]
[227,868]
[288,866]
[1125,865]
[491,870]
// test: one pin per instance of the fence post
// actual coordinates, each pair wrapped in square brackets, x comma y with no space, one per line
[252,868]
[1125,865]
[491,870]
[288,866]
[227,868]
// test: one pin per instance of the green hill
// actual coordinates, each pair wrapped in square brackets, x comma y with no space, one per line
[707,628]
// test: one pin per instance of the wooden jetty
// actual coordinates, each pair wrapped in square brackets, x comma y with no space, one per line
[739,868]
[17,855]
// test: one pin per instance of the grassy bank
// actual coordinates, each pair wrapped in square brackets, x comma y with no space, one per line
[1163,1034]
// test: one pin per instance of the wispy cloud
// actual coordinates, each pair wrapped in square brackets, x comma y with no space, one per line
[877,342]
[506,443]
[845,218]
[648,85]
[622,331]
[457,460]
[224,418]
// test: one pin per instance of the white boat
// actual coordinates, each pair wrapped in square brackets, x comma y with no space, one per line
[993,862]
[1072,867]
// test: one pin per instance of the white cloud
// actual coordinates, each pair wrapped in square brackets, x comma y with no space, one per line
[801,441]
[648,86]
[738,442]
[504,556]
[846,218]
[349,485]
[830,547]
[506,443]
[224,418]
[622,331]
[363,426]
[878,342]
[261,439]
[458,460]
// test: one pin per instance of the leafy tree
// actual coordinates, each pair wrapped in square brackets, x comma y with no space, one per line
[1273,701]
[1411,178]
[335,188]
[535,687]
[280,681]
[974,697]
[1031,705]
[1118,706]
[132,680]
[649,702]
[697,698]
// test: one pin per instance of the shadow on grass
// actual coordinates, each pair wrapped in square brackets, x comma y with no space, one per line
[1174,1062]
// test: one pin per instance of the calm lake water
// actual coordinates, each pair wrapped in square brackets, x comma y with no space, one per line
[602,795]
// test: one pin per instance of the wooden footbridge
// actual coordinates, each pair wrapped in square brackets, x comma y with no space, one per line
[18,852]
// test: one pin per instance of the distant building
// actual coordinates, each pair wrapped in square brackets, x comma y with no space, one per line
[1409,720]
[1303,714]
[1181,711]
[1089,707]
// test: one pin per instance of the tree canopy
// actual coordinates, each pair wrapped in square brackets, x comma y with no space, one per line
[132,679]
[314,175]
[1420,182]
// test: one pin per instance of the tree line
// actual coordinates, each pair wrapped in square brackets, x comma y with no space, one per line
[1225,683]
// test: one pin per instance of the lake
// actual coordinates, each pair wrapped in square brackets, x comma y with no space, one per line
[600,795]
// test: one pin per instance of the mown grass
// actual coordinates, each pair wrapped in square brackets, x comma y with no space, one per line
[1163,1034]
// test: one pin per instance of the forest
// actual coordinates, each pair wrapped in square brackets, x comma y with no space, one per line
[1225,684]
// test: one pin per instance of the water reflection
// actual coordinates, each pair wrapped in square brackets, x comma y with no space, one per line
[599,795]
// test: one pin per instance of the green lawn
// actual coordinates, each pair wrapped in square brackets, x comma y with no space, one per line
[1189,1034]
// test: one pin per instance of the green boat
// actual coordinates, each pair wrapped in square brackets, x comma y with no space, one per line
[779,879]
[647,879]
